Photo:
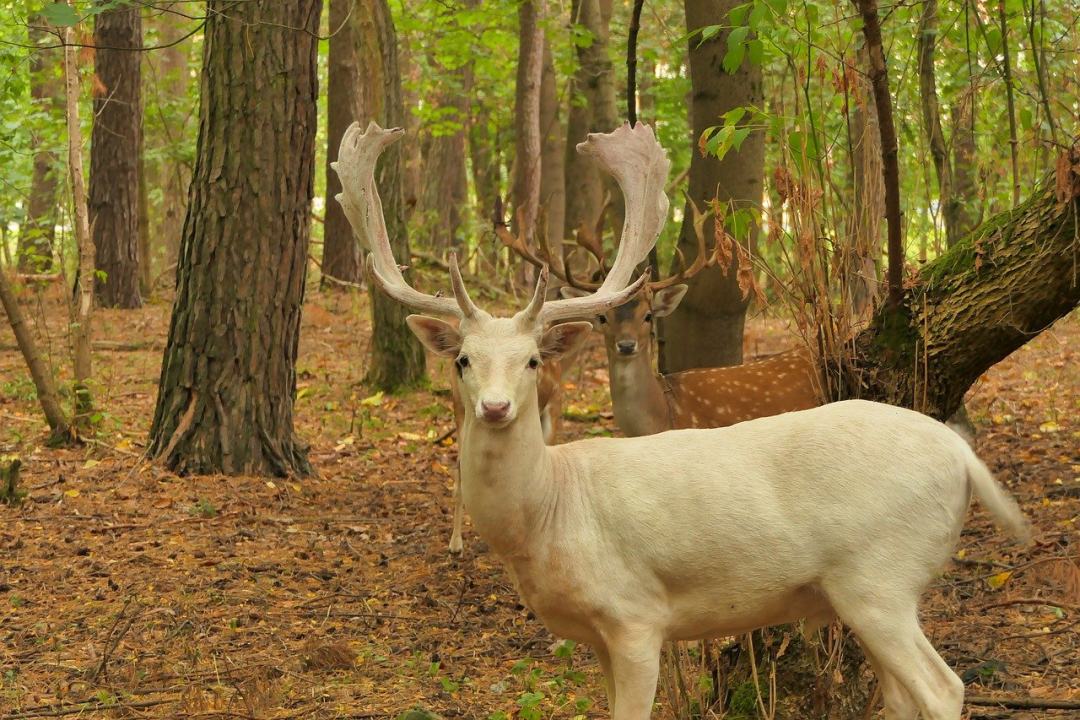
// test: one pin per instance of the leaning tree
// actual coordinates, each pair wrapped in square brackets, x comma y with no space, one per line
[228,378]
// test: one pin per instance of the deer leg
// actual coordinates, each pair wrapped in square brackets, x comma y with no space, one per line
[635,666]
[891,634]
[456,545]
[605,665]
[899,704]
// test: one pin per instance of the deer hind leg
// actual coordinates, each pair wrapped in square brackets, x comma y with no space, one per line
[456,545]
[888,629]
[635,667]
[899,705]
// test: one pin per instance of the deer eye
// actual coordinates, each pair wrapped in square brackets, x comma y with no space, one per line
[462,361]
[601,319]
[534,363]
[648,317]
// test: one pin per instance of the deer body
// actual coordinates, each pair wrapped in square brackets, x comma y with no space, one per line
[847,509]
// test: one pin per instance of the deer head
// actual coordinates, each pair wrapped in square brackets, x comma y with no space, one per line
[497,358]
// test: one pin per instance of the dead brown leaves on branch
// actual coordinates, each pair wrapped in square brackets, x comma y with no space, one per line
[727,249]
[1067,174]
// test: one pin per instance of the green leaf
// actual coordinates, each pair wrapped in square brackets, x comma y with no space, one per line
[1026,118]
[755,51]
[738,14]
[60,14]
[734,115]
[736,48]
[777,6]
[739,136]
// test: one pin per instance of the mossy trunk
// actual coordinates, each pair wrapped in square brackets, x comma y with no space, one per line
[996,289]
[228,377]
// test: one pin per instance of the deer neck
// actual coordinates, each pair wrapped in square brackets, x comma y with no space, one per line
[506,479]
[637,394]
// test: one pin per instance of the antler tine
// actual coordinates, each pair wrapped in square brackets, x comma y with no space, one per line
[640,166]
[357,155]
[704,258]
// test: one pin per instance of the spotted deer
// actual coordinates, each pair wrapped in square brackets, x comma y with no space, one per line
[647,402]
[845,510]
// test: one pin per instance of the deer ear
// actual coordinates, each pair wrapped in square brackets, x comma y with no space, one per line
[438,336]
[560,340]
[665,301]
[568,292]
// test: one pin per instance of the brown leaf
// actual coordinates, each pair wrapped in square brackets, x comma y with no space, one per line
[329,656]
[1067,175]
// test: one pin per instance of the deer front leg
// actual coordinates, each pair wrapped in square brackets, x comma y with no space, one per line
[635,665]
[456,545]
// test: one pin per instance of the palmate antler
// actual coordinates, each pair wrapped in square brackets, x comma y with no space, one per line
[632,156]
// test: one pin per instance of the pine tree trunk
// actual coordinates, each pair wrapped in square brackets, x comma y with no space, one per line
[228,378]
[36,237]
[527,117]
[707,328]
[341,252]
[593,108]
[988,295]
[397,358]
[552,155]
[114,157]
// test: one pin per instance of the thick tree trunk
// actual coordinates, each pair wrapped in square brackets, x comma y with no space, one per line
[869,198]
[444,196]
[228,377]
[527,117]
[552,155]
[593,108]
[341,253]
[397,358]
[114,157]
[992,292]
[707,328]
[35,249]
[965,162]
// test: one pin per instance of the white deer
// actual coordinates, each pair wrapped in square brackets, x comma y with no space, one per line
[845,510]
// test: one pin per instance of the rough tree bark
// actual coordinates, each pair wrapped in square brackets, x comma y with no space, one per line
[397,358]
[228,377]
[552,155]
[869,197]
[114,157]
[992,292]
[36,236]
[965,163]
[707,328]
[341,253]
[593,108]
[526,189]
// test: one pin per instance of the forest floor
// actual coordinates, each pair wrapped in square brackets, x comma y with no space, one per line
[126,591]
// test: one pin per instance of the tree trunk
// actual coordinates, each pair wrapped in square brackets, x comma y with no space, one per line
[593,108]
[412,159]
[397,358]
[228,378]
[527,117]
[931,114]
[114,157]
[552,155]
[36,237]
[82,297]
[444,199]
[166,87]
[707,328]
[341,252]
[965,162]
[869,198]
[39,369]
[992,292]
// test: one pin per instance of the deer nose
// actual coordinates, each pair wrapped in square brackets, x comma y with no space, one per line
[495,411]
[626,347]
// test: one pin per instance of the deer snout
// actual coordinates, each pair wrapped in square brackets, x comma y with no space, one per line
[626,347]
[495,411]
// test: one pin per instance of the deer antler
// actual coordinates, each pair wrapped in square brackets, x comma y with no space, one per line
[705,257]
[359,198]
[640,166]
